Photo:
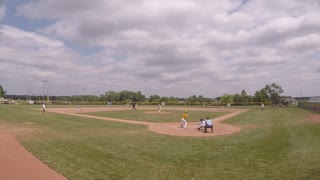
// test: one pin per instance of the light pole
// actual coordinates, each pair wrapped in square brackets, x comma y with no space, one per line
[94,96]
[44,88]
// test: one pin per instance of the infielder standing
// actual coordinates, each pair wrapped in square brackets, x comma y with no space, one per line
[43,108]
[159,108]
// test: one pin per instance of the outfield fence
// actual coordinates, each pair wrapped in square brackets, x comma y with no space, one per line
[151,103]
[84,102]
[309,106]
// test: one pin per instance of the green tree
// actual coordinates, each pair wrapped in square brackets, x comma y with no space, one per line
[250,98]
[261,96]
[154,98]
[226,99]
[102,97]
[125,95]
[192,98]
[274,91]
[140,97]
[164,99]
[1,91]
[244,96]
[112,96]
[237,98]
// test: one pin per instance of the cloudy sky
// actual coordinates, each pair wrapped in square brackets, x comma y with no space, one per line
[170,48]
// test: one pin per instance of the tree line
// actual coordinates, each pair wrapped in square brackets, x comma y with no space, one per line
[270,94]
[2,91]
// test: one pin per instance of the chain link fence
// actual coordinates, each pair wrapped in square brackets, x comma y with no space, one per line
[309,106]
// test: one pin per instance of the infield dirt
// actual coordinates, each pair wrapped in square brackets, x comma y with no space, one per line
[172,129]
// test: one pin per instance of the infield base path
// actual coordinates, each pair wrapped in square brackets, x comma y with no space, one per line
[172,129]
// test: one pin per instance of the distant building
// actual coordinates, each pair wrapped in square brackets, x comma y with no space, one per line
[292,100]
[302,99]
[315,99]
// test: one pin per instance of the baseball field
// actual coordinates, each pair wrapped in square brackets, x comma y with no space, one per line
[116,143]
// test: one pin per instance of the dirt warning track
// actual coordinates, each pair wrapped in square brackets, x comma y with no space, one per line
[17,163]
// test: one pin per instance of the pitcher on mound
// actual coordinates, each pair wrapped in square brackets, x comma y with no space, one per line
[183,119]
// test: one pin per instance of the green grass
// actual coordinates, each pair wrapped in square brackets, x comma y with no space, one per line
[142,115]
[280,146]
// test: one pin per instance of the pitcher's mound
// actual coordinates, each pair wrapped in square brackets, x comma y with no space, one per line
[156,112]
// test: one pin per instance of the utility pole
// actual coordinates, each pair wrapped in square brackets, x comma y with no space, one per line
[44,88]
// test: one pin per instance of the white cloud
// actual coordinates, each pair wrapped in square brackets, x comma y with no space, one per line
[27,55]
[2,11]
[303,43]
[22,36]
[164,46]
[51,9]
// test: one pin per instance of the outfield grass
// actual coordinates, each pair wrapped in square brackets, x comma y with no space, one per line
[280,146]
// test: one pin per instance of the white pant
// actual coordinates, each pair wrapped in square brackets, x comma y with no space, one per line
[183,123]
